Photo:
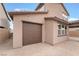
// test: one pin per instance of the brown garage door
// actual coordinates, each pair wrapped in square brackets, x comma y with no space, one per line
[32,33]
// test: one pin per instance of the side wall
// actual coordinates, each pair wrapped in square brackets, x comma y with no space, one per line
[49,31]
[4,35]
[74,34]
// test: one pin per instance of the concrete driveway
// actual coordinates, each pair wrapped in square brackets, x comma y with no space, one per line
[66,48]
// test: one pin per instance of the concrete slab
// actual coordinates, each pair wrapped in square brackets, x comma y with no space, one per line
[66,48]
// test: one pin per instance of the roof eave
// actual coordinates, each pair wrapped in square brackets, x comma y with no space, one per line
[65,9]
[39,6]
[57,19]
[5,11]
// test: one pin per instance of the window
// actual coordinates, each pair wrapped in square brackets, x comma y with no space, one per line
[62,30]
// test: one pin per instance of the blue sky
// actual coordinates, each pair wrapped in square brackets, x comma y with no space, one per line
[25,6]
[73,8]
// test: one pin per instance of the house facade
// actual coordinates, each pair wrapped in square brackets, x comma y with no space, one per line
[74,30]
[47,24]
[4,24]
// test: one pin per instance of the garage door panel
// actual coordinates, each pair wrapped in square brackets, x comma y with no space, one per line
[32,33]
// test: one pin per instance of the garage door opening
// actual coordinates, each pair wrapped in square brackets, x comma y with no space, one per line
[32,33]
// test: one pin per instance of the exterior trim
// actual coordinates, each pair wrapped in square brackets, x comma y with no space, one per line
[27,12]
[57,19]
[74,24]
[32,22]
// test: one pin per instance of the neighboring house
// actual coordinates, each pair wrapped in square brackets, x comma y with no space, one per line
[74,30]
[48,24]
[4,24]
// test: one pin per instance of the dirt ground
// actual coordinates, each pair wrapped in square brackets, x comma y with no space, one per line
[66,48]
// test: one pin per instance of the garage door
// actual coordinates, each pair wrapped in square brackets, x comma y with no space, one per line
[32,33]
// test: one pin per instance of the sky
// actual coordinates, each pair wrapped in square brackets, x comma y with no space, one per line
[73,8]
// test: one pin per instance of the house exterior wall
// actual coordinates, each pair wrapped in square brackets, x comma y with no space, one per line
[4,32]
[49,27]
[54,9]
[58,39]
[17,36]
[74,29]
[74,33]
[51,32]
[4,35]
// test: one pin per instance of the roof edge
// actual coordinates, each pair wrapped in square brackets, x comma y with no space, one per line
[5,11]
[65,9]
[20,13]
[39,6]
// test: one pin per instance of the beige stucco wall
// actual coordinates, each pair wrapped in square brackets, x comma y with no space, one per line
[17,36]
[74,29]
[74,32]
[4,35]
[49,27]
[54,9]
[51,32]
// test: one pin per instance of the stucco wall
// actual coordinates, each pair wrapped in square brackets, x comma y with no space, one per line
[49,29]
[74,29]
[51,32]
[17,36]
[4,35]
[74,34]
[54,9]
